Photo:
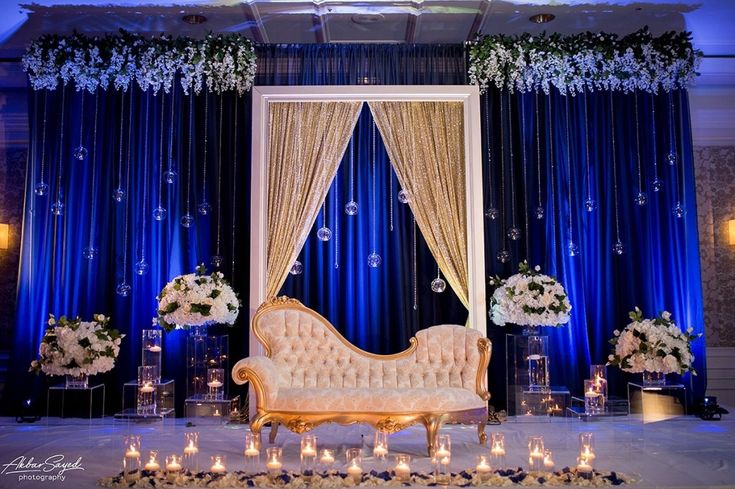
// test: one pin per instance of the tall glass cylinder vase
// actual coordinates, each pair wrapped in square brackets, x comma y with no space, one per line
[152,350]
[196,362]
[538,362]
[146,390]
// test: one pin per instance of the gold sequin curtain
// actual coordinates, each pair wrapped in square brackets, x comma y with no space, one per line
[425,142]
[306,141]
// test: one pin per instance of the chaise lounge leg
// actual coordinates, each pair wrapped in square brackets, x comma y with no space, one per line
[481,433]
[257,423]
[273,433]
[433,424]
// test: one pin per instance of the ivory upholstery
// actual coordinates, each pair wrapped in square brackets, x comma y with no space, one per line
[312,374]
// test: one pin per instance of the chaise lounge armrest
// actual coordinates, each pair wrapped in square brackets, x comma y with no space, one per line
[262,373]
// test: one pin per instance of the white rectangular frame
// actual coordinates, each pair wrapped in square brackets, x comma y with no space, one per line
[469,95]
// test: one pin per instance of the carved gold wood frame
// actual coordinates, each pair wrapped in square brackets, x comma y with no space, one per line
[301,422]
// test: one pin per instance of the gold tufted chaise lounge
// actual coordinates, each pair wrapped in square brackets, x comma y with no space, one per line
[311,375]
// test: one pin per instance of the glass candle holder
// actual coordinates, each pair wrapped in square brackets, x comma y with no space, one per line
[594,401]
[152,351]
[218,464]
[584,468]
[326,460]
[497,450]
[402,470]
[443,448]
[354,464]
[535,452]
[308,454]
[380,447]
[252,451]
[151,463]
[483,468]
[131,460]
[274,461]
[146,390]
[598,373]
[216,383]
[191,451]
[548,460]
[587,448]
[538,362]
[173,466]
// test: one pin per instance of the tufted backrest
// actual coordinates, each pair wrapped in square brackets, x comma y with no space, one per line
[308,352]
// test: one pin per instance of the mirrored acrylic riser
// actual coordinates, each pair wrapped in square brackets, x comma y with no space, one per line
[212,411]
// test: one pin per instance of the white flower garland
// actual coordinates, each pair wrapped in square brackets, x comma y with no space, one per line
[653,345]
[75,347]
[529,298]
[220,62]
[197,299]
[588,61]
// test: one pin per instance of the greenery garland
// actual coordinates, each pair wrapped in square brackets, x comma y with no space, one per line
[587,61]
[219,62]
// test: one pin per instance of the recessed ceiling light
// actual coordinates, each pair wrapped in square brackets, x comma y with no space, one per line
[542,18]
[364,19]
[194,19]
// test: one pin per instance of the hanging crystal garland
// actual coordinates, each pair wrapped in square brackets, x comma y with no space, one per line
[217,258]
[552,166]
[679,210]
[123,288]
[503,255]
[672,157]
[415,268]
[335,217]
[80,152]
[118,195]
[187,219]
[57,208]
[159,213]
[234,190]
[641,198]
[204,207]
[540,210]
[572,247]
[438,285]
[324,233]
[41,188]
[492,210]
[618,247]
[298,268]
[657,183]
[170,174]
[390,194]
[90,252]
[141,266]
[590,204]
[525,169]
[351,207]
[373,260]
[514,232]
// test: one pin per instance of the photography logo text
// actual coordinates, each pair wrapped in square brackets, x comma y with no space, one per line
[51,469]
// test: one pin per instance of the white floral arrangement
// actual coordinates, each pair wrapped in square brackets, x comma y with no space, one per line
[529,298]
[587,61]
[197,299]
[220,62]
[75,347]
[653,345]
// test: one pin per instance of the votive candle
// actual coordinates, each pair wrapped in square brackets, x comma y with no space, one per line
[218,464]
[402,469]
[483,468]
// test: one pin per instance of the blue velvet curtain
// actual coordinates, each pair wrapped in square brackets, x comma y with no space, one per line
[659,266]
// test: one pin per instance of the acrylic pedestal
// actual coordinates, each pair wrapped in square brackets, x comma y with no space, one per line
[657,403]
[614,407]
[93,410]
[534,403]
[165,397]
[212,411]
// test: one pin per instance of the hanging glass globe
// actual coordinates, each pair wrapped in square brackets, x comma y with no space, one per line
[204,208]
[672,158]
[618,248]
[141,267]
[540,212]
[658,185]
[324,233]
[57,208]
[41,188]
[503,256]
[80,152]
[438,285]
[297,268]
[159,213]
[169,176]
[217,261]
[123,289]
[641,199]
[590,204]
[118,195]
[678,210]
[374,260]
[351,208]
[187,220]
[573,249]
[514,233]
[403,197]
[89,253]
[492,213]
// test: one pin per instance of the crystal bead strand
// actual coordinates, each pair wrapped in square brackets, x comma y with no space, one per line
[540,210]
[552,167]
[672,158]
[351,207]
[374,259]
[618,247]
[204,207]
[57,208]
[123,288]
[217,259]
[118,194]
[679,210]
[492,211]
[415,268]
[503,255]
[141,266]
[298,268]
[234,190]
[335,220]
[657,183]
[170,174]
[572,247]
[187,219]
[525,170]
[159,213]
[590,204]
[80,152]
[41,188]
[641,199]
[90,252]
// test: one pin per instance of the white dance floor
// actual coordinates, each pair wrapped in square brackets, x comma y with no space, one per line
[685,452]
